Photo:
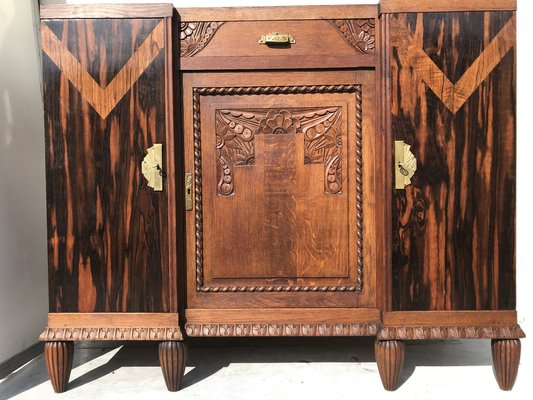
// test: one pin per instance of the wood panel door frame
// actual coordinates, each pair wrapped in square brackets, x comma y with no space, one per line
[341,298]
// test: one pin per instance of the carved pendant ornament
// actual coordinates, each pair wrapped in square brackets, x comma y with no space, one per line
[359,33]
[236,131]
[194,36]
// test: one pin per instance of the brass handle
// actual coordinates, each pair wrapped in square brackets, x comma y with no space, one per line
[188,191]
[152,169]
[404,164]
[276,38]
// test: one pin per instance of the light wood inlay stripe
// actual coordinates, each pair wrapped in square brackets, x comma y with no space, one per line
[454,96]
[111,320]
[282,315]
[426,6]
[103,99]
[449,318]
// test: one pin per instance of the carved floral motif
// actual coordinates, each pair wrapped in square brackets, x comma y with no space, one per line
[359,33]
[194,36]
[278,123]
[321,127]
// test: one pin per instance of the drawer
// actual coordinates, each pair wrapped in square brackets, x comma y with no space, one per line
[320,43]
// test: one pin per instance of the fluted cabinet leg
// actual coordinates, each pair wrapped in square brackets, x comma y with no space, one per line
[389,357]
[172,357]
[505,360]
[58,357]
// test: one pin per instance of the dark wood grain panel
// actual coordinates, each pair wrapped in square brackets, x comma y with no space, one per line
[453,228]
[107,231]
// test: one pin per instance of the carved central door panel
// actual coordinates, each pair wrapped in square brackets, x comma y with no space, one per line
[278,190]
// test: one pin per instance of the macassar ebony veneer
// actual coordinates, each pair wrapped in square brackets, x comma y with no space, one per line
[294,171]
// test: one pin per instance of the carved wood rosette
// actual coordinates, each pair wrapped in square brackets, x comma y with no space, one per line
[194,36]
[242,152]
[321,128]
[359,33]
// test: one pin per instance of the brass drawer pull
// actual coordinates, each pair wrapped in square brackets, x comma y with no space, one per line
[405,164]
[276,38]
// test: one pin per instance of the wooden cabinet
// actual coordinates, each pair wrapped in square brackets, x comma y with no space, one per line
[324,171]
[111,238]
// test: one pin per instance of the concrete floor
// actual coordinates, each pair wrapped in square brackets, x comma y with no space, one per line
[277,368]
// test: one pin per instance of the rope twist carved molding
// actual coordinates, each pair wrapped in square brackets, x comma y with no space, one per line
[450,332]
[359,183]
[198,212]
[251,329]
[60,334]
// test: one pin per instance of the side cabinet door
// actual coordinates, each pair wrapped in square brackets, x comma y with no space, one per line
[106,96]
[453,102]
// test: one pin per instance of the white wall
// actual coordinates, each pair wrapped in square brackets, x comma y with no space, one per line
[218,3]
[23,265]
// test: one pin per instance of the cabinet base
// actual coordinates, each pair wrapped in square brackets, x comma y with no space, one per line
[390,330]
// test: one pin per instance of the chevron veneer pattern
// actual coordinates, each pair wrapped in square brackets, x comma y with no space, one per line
[103,99]
[453,95]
